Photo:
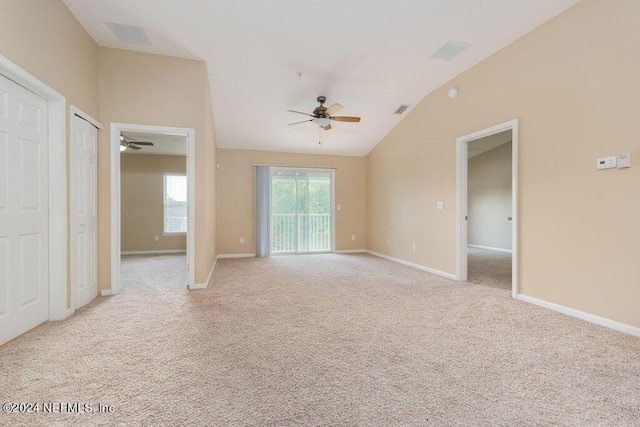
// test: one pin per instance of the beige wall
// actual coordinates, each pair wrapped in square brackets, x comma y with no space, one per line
[142,202]
[489,198]
[46,40]
[139,88]
[236,196]
[573,84]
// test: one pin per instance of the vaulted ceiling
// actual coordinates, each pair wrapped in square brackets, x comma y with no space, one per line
[267,57]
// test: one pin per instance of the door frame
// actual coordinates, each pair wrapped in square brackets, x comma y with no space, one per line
[462,163]
[114,148]
[57,144]
[75,111]
[332,222]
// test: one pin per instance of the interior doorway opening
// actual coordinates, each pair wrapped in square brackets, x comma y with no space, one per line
[487,177]
[152,205]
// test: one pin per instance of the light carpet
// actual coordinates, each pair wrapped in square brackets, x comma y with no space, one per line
[318,340]
[489,268]
[154,270]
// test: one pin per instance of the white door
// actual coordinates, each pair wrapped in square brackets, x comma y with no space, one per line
[84,222]
[24,216]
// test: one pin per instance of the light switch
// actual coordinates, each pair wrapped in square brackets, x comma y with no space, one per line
[440,205]
[338,207]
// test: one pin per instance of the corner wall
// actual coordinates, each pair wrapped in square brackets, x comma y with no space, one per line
[573,84]
[142,206]
[489,198]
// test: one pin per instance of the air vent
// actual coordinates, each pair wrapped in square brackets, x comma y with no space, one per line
[130,33]
[401,109]
[450,50]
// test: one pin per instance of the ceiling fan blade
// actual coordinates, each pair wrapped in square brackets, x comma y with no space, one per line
[142,143]
[304,121]
[333,109]
[300,112]
[345,119]
[327,127]
[133,147]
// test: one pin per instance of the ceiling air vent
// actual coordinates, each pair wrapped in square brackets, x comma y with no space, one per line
[450,50]
[401,109]
[130,33]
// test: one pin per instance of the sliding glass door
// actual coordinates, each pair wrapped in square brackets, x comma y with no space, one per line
[301,210]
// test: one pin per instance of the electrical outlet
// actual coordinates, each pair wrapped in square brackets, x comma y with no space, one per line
[157,238]
[353,237]
[388,242]
[242,240]
[413,247]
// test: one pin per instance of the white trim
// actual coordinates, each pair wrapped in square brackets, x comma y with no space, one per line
[115,130]
[461,196]
[592,318]
[205,284]
[105,293]
[160,251]
[410,264]
[236,256]
[58,236]
[490,248]
[351,251]
[73,110]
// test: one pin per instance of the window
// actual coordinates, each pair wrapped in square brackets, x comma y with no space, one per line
[175,203]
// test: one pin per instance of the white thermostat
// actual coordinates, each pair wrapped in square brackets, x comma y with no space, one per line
[606,162]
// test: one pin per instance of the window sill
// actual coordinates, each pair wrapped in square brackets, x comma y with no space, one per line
[174,234]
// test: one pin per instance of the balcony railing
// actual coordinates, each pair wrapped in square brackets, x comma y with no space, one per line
[300,232]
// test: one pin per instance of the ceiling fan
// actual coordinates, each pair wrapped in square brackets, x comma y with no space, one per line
[129,143]
[323,116]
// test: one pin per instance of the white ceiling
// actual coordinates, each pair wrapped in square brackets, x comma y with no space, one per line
[370,56]
[163,144]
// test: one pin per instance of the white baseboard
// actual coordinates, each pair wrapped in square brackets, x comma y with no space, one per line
[167,251]
[592,318]
[105,292]
[491,248]
[205,284]
[410,264]
[236,255]
[351,251]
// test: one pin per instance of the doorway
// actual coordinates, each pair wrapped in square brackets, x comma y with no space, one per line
[173,187]
[487,237]
[301,211]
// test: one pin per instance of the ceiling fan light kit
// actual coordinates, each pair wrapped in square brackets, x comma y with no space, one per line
[323,116]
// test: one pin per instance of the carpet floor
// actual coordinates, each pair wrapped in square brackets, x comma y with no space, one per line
[317,340]
[154,270]
[489,268]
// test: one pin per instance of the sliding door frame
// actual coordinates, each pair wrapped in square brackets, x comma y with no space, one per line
[332,218]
